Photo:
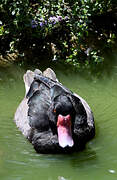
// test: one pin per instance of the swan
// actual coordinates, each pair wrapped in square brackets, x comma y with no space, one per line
[52,117]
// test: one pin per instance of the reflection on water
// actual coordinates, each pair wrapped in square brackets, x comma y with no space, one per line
[19,161]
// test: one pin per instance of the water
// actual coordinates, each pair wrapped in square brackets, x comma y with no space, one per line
[18,159]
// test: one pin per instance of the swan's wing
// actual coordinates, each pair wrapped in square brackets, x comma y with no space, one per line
[28,79]
[50,74]
[90,118]
[81,116]
[84,120]
[56,90]
[38,104]
[33,88]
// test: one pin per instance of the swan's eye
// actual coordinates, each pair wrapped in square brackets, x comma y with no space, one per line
[54,110]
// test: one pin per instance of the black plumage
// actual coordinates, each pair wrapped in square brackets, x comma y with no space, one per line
[48,100]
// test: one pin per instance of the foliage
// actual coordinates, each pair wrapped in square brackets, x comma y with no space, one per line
[67,30]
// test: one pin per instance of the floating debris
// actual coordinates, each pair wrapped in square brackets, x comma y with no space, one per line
[112,171]
[61,178]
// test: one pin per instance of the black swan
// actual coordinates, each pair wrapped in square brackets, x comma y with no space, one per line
[51,117]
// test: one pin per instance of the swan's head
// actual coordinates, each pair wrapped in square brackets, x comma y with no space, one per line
[63,110]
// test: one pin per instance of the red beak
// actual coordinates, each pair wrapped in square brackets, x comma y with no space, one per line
[64,131]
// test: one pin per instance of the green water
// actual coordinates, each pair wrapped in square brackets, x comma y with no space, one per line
[19,161]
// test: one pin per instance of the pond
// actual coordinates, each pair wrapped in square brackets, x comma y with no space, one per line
[18,159]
